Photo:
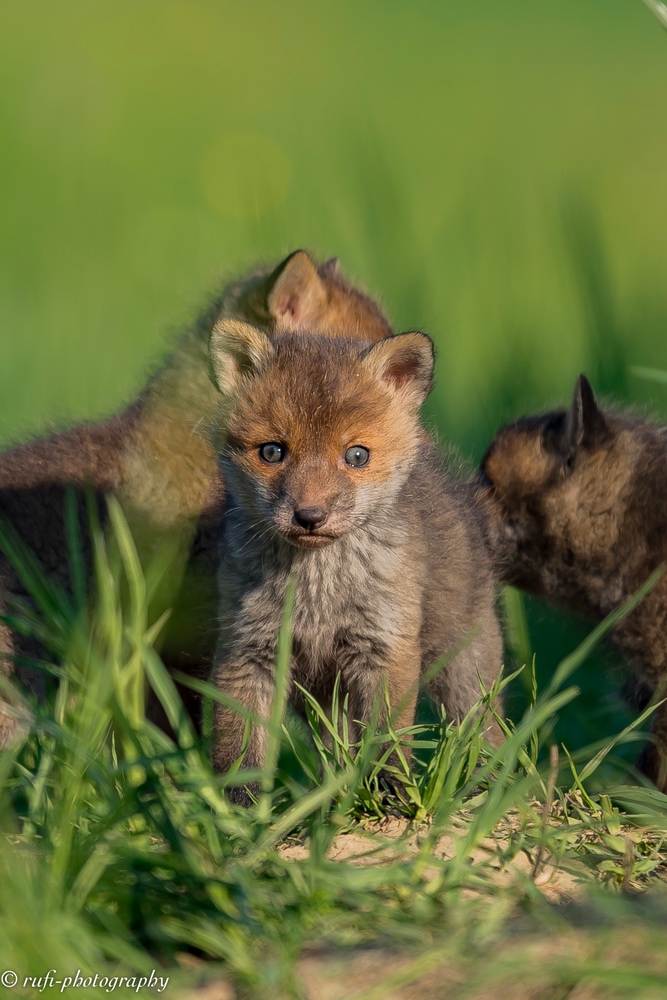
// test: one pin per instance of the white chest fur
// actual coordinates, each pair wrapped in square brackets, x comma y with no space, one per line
[354,586]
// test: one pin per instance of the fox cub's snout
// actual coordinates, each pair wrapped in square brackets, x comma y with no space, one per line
[328,433]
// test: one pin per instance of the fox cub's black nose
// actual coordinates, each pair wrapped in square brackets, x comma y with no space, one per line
[310,517]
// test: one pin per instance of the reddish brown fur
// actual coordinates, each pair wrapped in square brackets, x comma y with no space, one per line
[576,515]
[395,572]
[299,296]
[158,457]
[295,403]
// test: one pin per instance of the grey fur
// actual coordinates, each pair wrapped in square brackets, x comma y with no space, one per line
[405,580]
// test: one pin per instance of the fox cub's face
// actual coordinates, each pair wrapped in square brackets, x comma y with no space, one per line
[554,486]
[320,433]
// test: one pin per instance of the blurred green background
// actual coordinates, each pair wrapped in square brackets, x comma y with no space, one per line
[495,172]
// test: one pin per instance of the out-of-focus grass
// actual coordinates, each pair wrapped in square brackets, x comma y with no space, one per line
[495,172]
[149,148]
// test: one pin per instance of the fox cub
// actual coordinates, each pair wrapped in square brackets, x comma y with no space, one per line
[575,499]
[332,482]
[158,457]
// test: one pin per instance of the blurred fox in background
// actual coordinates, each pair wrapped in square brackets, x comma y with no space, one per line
[577,516]
[157,457]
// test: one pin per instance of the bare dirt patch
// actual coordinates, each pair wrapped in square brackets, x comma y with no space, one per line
[389,841]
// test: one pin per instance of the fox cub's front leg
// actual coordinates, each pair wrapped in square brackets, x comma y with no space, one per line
[248,678]
[369,677]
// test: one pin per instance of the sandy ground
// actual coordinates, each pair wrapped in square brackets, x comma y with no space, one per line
[388,841]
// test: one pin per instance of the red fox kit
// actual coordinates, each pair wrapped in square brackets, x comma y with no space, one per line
[577,517]
[332,481]
[157,455]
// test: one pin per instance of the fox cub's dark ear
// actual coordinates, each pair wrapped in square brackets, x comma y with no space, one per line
[585,424]
[237,350]
[405,363]
[297,295]
[331,267]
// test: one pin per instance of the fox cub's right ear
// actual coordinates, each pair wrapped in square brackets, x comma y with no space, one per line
[405,364]
[237,351]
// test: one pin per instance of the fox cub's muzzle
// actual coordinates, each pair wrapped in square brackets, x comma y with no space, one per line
[310,518]
[312,526]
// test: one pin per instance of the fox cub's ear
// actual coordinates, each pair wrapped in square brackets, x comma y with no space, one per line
[297,295]
[405,364]
[237,350]
[585,424]
[331,267]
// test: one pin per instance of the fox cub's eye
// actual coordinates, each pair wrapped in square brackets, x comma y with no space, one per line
[356,456]
[272,452]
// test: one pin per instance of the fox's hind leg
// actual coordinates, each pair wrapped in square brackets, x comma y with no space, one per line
[8,722]
[15,718]
[457,686]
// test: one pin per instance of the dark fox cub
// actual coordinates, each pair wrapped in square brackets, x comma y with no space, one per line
[157,455]
[577,515]
[332,482]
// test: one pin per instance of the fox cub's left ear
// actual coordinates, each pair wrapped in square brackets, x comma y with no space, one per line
[237,351]
[404,363]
